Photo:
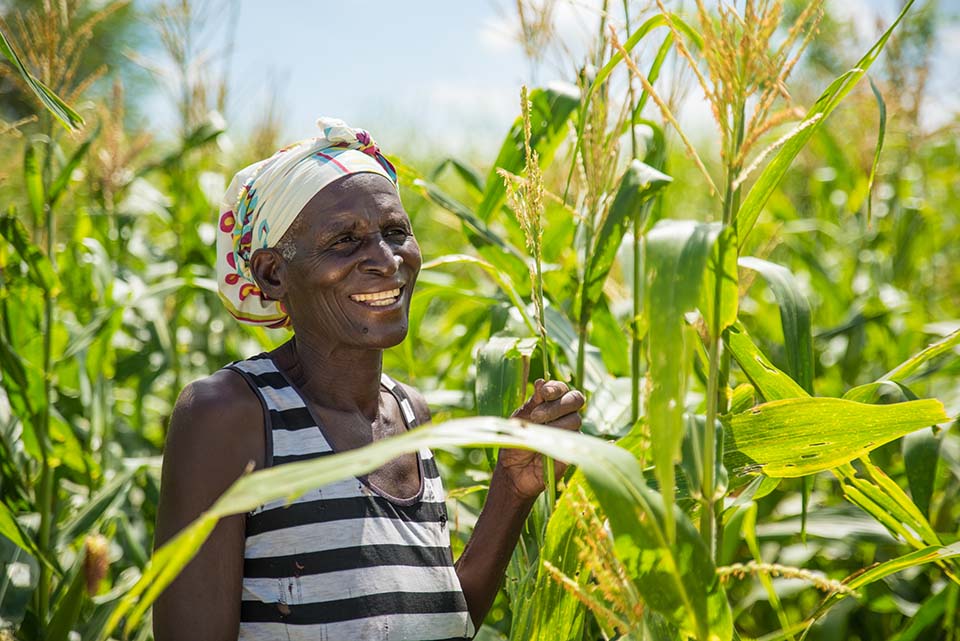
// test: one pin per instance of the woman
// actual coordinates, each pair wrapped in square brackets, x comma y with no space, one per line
[316,238]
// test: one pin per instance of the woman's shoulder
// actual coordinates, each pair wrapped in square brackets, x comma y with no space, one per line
[219,414]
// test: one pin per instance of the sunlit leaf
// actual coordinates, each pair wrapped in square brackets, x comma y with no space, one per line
[921,449]
[800,436]
[502,365]
[70,118]
[769,381]
[911,365]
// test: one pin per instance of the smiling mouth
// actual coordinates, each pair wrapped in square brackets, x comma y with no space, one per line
[378,299]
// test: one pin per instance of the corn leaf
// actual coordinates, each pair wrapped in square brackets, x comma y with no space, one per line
[720,282]
[921,449]
[676,256]
[678,580]
[33,182]
[921,456]
[39,269]
[770,382]
[63,178]
[500,278]
[763,188]
[470,176]
[795,437]
[914,363]
[551,108]
[638,185]
[929,554]
[61,111]
[794,318]
[67,611]
[495,249]
[501,374]
[100,505]
[881,131]
[10,528]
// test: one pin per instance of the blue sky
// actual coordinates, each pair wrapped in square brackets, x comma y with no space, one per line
[428,74]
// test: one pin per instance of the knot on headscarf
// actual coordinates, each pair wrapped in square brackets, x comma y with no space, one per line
[265,198]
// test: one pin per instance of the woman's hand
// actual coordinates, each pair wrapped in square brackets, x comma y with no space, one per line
[553,404]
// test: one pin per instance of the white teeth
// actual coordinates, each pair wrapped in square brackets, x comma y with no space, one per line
[377,299]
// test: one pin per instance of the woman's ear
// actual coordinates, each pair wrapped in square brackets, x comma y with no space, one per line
[270,271]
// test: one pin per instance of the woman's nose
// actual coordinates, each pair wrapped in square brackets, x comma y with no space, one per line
[380,257]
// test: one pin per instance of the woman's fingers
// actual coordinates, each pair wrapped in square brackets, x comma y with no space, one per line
[569,402]
[552,390]
[570,422]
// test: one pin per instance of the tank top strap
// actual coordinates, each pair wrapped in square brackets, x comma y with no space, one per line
[403,399]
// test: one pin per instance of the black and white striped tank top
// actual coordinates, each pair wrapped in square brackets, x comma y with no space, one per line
[344,561]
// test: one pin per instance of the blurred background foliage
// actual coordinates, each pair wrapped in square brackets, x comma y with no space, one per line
[108,302]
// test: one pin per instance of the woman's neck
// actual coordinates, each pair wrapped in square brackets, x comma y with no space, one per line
[346,380]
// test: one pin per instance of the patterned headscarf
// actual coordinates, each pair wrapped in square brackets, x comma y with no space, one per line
[265,198]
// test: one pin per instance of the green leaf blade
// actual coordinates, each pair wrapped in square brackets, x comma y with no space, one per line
[771,176]
[796,437]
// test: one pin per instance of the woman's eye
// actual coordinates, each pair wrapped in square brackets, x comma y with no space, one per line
[398,232]
[345,240]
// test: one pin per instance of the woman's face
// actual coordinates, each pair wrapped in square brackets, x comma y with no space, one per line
[356,262]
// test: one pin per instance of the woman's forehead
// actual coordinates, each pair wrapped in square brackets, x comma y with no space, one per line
[351,197]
